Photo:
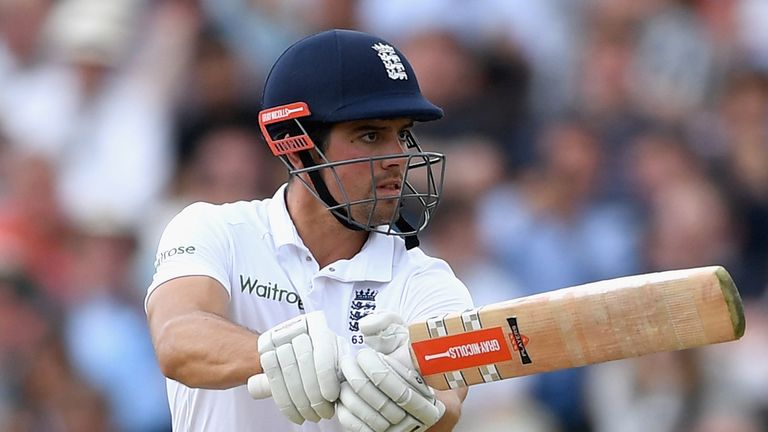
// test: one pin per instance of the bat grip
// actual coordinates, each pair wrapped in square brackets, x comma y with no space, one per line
[258,386]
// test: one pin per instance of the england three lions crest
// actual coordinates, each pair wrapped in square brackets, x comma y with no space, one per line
[392,61]
[363,304]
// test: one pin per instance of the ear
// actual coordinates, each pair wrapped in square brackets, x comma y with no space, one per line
[294,160]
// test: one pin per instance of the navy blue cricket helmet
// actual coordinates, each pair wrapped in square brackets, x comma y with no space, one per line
[343,75]
[347,75]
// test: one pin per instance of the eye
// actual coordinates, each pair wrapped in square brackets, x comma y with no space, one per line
[370,137]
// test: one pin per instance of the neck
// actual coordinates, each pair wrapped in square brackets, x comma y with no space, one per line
[322,234]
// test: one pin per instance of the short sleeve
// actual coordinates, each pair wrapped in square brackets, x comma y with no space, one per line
[434,290]
[196,242]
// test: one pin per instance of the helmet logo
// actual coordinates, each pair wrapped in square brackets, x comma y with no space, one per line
[282,113]
[388,56]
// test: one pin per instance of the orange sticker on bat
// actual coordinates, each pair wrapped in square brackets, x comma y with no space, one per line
[523,338]
[519,340]
[461,351]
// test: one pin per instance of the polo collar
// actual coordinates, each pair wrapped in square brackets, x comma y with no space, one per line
[280,222]
[373,262]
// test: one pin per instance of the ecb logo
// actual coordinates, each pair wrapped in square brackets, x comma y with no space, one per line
[363,304]
[392,61]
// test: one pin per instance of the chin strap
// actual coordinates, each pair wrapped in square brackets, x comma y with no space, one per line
[411,241]
[340,213]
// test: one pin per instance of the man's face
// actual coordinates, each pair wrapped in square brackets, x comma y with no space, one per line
[381,179]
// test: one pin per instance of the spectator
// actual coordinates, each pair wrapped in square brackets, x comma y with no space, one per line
[552,218]
[228,162]
[454,238]
[550,231]
[674,63]
[34,233]
[484,93]
[729,139]
[21,24]
[105,333]
[106,125]
[219,94]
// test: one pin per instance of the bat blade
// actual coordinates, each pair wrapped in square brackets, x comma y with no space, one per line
[571,327]
[581,325]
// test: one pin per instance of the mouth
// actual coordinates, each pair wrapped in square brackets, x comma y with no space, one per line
[390,187]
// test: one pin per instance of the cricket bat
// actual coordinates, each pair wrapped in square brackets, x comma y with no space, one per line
[576,326]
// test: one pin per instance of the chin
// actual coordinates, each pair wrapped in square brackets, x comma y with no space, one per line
[379,218]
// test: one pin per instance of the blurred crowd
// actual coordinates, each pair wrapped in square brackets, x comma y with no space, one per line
[586,139]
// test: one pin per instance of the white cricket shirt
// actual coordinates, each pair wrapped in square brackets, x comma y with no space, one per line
[254,251]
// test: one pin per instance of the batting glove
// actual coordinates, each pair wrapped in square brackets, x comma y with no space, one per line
[383,392]
[300,359]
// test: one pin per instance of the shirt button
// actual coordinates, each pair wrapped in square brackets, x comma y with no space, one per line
[331,269]
[308,258]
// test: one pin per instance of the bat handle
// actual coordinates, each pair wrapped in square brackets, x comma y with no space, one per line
[258,386]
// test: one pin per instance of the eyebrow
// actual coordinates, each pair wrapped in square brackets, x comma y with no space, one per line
[374,127]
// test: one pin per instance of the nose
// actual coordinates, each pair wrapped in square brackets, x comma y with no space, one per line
[394,147]
[398,162]
[394,163]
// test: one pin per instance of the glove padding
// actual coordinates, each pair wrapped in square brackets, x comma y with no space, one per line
[382,393]
[386,333]
[300,360]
